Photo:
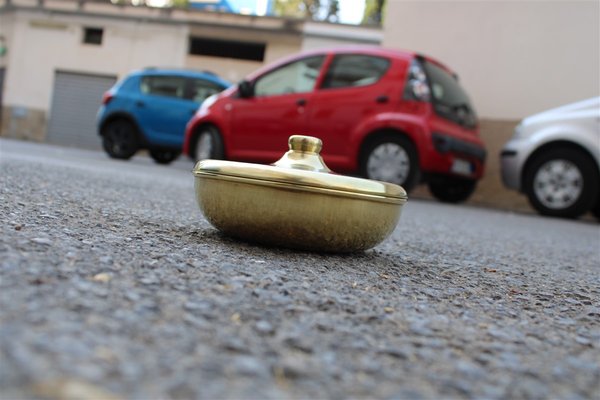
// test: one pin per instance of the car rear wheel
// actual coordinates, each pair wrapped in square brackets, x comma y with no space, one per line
[119,139]
[452,190]
[209,145]
[392,159]
[596,209]
[562,183]
[164,156]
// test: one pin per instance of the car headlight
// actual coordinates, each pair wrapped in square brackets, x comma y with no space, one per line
[518,131]
[209,101]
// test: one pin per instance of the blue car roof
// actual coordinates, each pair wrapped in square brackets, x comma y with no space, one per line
[187,73]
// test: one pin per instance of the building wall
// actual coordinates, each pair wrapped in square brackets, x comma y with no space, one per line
[57,41]
[514,57]
[319,35]
[278,44]
[42,43]
[6,29]
[45,37]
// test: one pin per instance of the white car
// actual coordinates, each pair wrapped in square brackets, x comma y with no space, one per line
[554,158]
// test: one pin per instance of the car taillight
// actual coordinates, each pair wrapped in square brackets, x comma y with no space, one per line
[106,98]
[417,87]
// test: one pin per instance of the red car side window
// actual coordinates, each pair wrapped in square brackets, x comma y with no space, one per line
[350,70]
[297,77]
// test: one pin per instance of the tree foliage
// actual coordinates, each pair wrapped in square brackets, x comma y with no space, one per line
[316,10]
[374,12]
[171,3]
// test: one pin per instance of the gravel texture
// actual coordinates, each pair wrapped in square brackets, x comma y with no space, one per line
[113,285]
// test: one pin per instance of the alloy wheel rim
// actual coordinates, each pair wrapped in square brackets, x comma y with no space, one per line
[389,162]
[558,184]
[204,146]
[119,140]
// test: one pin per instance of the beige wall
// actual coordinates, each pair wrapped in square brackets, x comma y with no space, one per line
[6,31]
[319,35]
[227,68]
[514,57]
[55,43]
[279,44]
[47,38]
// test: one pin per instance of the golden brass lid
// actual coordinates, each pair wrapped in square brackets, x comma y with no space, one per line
[301,168]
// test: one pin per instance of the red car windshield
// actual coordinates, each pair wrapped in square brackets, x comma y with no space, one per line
[449,99]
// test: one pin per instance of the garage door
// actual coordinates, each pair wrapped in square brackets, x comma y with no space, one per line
[1,91]
[75,102]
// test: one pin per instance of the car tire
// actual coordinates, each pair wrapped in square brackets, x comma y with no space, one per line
[391,158]
[209,144]
[452,190]
[164,156]
[119,139]
[562,183]
[596,209]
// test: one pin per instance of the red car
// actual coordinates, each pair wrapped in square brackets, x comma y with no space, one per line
[384,114]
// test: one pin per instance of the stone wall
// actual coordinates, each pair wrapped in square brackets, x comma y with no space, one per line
[23,123]
[490,190]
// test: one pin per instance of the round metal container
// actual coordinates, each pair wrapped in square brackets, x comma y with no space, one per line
[297,202]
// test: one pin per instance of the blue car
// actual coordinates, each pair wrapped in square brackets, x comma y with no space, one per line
[149,109]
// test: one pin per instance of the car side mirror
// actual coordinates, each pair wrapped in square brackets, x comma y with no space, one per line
[245,89]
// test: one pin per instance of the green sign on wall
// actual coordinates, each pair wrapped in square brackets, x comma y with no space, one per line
[2,46]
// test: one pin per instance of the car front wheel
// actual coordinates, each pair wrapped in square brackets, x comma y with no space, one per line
[452,190]
[562,183]
[393,159]
[119,139]
[164,156]
[209,145]
[596,209]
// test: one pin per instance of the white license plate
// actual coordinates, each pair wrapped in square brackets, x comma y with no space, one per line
[461,167]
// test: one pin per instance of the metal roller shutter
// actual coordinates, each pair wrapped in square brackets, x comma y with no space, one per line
[75,102]
[1,91]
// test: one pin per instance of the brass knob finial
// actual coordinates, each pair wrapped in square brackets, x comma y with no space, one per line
[305,144]
[303,154]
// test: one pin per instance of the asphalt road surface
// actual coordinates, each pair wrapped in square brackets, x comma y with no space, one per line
[113,285]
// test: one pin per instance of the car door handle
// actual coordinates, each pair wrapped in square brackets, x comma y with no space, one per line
[382,99]
[301,102]
[140,104]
